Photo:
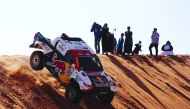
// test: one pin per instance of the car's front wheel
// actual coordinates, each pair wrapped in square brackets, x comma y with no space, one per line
[73,93]
[36,60]
[106,98]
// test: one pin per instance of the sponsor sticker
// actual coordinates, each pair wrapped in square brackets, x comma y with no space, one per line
[93,74]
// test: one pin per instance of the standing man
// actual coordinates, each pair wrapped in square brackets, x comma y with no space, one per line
[155,40]
[128,45]
[97,29]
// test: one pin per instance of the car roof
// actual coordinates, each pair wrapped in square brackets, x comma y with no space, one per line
[72,38]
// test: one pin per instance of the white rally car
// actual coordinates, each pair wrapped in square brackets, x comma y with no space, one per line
[74,64]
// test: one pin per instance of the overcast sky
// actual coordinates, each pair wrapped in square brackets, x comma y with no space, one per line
[21,19]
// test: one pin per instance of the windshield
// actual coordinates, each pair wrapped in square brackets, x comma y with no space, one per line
[87,62]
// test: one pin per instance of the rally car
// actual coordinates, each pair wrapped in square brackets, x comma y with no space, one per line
[72,62]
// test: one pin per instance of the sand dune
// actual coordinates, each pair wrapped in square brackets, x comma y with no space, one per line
[143,82]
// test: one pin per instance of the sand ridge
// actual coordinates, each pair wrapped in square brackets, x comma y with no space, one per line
[142,82]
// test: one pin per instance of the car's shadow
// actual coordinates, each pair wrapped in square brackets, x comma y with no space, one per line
[93,103]
[88,101]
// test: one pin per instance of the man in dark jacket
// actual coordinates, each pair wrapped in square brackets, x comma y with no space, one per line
[96,28]
[128,45]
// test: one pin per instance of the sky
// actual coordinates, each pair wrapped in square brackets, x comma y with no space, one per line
[21,19]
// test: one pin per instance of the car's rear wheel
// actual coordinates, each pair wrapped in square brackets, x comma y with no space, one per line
[106,98]
[73,93]
[36,60]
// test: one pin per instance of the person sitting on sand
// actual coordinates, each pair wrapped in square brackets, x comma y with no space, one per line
[137,48]
[167,49]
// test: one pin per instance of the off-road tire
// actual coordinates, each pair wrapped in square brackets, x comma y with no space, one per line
[106,98]
[73,93]
[36,60]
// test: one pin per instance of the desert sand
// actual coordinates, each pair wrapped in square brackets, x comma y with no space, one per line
[142,82]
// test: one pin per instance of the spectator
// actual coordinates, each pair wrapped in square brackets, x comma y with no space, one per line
[105,34]
[167,49]
[155,41]
[120,44]
[128,42]
[115,45]
[96,28]
[137,48]
[111,43]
